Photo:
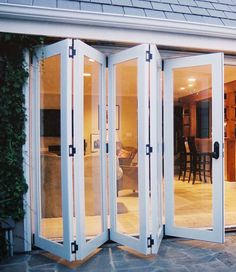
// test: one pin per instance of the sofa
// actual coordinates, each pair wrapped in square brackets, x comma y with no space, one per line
[51,184]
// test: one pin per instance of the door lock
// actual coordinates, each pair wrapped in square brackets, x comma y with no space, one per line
[216,152]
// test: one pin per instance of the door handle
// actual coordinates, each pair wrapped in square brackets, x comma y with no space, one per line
[216,152]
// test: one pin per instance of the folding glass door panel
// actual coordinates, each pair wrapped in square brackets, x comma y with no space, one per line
[155,130]
[193,137]
[52,135]
[90,181]
[128,147]
[73,125]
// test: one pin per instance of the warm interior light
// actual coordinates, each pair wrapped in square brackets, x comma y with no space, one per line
[190,85]
[191,79]
[182,88]
[87,74]
[91,60]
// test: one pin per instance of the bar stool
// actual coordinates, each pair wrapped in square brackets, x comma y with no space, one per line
[185,162]
[201,162]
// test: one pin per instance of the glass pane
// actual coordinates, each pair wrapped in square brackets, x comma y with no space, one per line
[92,161]
[50,148]
[192,147]
[230,145]
[127,200]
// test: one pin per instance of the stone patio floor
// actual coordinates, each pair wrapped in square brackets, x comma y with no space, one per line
[175,255]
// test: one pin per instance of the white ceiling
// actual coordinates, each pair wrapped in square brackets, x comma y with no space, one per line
[126,78]
[202,76]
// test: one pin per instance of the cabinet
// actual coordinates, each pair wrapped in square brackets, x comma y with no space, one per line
[186,121]
[230,134]
[230,115]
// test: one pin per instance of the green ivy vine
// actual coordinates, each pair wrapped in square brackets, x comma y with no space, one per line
[13,75]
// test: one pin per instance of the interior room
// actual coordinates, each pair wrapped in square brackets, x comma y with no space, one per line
[193,146]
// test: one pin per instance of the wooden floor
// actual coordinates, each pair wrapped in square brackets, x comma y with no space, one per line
[192,205]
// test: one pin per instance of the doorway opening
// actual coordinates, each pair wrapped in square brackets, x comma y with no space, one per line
[98,135]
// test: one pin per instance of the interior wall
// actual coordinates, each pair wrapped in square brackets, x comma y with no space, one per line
[50,101]
[128,120]
[127,133]
[91,124]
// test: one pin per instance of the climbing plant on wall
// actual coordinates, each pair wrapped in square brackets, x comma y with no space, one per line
[13,75]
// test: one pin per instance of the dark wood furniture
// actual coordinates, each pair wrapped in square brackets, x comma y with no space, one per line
[201,162]
[184,159]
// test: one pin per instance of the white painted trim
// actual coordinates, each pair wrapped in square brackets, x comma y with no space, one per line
[230,60]
[26,162]
[115,20]
[119,28]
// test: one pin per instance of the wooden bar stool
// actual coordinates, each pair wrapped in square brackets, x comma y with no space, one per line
[201,162]
[184,159]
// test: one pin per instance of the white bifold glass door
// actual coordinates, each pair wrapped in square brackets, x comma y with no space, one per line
[74,123]
[134,189]
[90,177]
[156,158]
[52,135]
[193,145]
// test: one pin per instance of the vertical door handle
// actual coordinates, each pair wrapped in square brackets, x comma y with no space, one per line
[216,152]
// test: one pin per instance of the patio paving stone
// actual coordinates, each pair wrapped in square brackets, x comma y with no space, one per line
[20,267]
[178,255]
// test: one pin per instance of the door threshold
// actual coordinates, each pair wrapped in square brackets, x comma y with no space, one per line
[230,229]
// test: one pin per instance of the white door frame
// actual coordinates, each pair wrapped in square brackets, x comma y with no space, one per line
[82,50]
[156,144]
[217,62]
[62,250]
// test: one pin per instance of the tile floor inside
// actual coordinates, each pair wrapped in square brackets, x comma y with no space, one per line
[193,209]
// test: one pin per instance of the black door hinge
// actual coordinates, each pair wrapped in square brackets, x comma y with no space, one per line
[72,51]
[107,149]
[106,61]
[33,239]
[74,247]
[148,149]
[72,150]
[150,241]
[162,65]
[109,234]
[148,56]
